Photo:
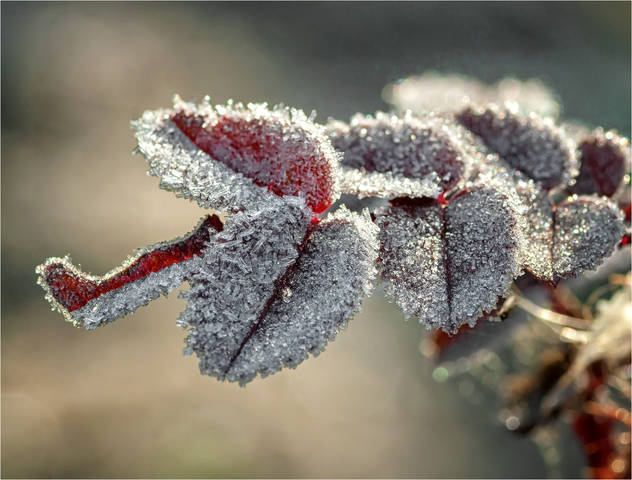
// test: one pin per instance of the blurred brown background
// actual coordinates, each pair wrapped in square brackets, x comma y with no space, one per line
[122,401]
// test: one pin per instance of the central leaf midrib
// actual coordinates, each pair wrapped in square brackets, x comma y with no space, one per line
[446,263]
[279,284]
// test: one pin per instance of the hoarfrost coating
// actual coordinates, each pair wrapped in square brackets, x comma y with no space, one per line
[477,195]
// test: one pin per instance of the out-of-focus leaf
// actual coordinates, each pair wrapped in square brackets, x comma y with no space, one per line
[433,91]
[607,341]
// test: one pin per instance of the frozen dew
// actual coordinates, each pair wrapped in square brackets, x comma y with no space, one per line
[536,251]
[536,220]
[533,207]
[471,204]
[483,250]
[449,265]
[362,183]
[411,260]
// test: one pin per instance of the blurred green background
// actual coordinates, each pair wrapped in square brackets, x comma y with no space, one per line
[122,401]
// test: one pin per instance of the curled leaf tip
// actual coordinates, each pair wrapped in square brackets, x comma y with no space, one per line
[90,301]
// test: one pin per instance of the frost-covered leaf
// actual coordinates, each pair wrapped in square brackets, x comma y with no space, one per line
[234,280]
[605,161]
[563,241]
[529,143]
[484,243]
[393,156]
[273,287]
[536,212]
[411,260]
[533,208]
[234,157]
[321,294]
[90,301]
[448,265]
[586,231]
[433,91]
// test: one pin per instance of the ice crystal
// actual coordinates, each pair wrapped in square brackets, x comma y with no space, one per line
[537,255]
[241,269]
[272,288]
[448,264]
[321,292]
[412,262]
[363,184]
[483,249]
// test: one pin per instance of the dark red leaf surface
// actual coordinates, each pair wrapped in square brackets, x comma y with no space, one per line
[73,289]
[245,146]
[605,159]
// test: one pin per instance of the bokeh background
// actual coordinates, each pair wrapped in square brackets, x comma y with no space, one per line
[122,401]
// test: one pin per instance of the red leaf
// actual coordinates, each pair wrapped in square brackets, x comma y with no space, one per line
[605,159]
[75,293]
[233,157]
